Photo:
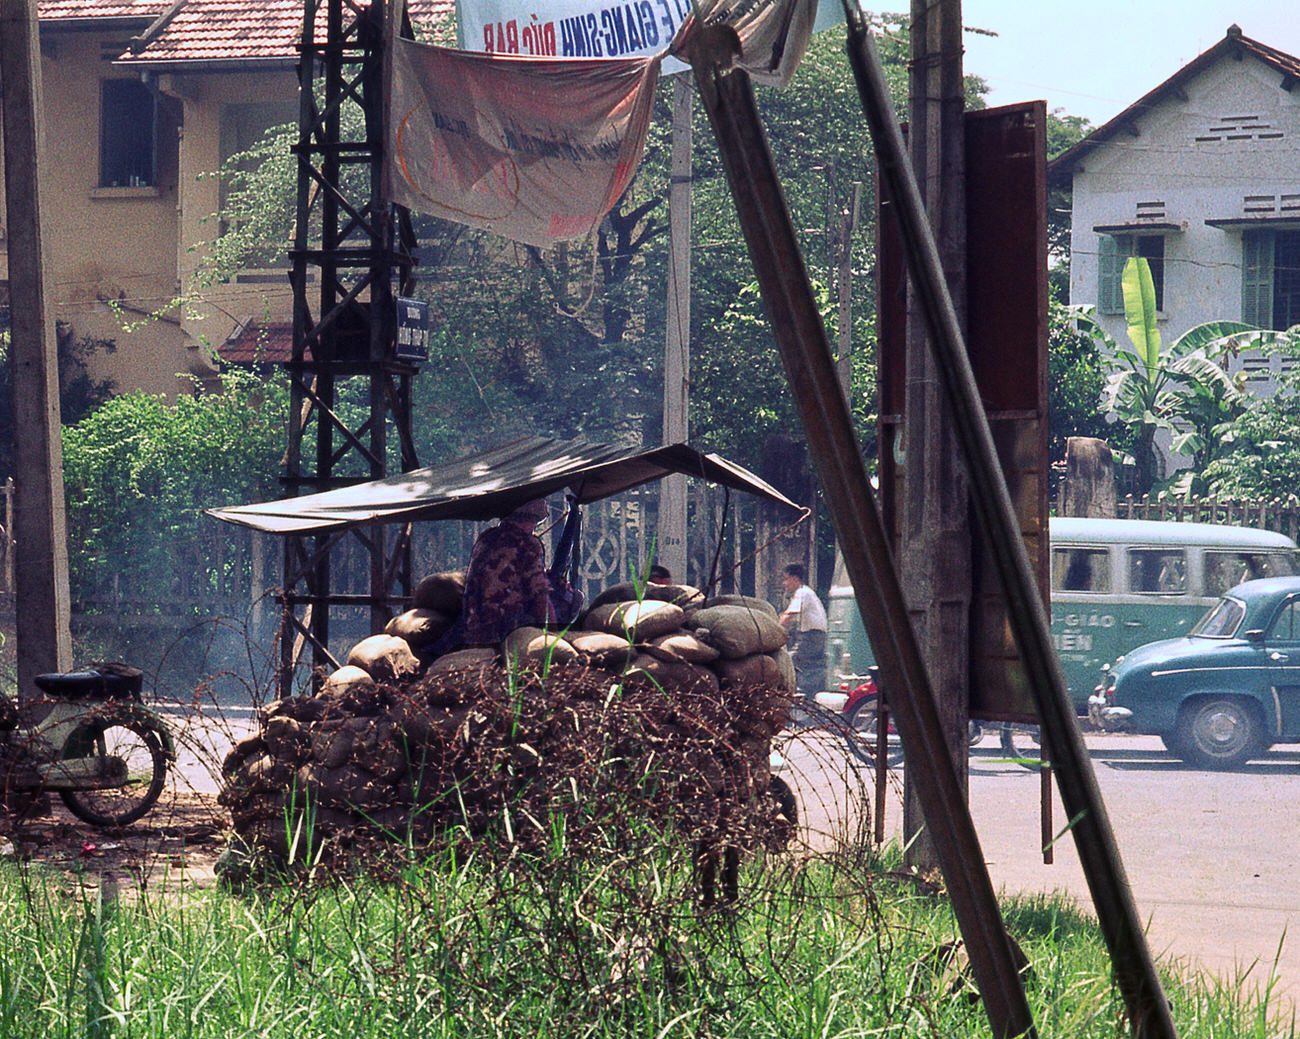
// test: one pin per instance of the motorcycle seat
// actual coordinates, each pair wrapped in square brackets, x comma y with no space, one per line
[99,685]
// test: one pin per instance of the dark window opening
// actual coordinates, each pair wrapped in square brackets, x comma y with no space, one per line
[128,118]
[1286,280]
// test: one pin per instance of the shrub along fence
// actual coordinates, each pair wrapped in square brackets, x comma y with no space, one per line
[227,571]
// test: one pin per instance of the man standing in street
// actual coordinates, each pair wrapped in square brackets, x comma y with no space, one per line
[805,619]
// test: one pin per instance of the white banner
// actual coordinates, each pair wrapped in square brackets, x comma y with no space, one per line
[773,33]
[571,28]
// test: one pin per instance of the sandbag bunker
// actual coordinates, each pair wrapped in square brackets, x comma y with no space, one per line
[657,702]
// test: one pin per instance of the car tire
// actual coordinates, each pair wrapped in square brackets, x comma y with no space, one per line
[1219,732]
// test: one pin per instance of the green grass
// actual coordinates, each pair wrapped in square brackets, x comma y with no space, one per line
[460,948]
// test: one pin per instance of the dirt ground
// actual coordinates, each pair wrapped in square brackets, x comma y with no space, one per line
[176,843]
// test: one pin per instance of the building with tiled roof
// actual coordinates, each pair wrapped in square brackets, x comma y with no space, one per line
[145,100]
[215,34]
[1202,176]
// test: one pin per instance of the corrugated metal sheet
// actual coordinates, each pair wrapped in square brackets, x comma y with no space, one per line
[491,484]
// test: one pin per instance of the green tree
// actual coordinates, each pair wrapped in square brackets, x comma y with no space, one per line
[1259,452]
[1183,389]
[1076,370]
[139,471]
[1063,132]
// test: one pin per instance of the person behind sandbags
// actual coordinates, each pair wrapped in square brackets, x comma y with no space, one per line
[507,585]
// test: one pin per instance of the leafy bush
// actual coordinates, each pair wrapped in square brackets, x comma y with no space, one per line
[139,471]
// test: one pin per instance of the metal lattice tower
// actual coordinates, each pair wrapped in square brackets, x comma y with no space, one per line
[351,250]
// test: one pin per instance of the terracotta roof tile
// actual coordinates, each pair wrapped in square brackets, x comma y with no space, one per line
[75,10]
[256,343]
[212,31]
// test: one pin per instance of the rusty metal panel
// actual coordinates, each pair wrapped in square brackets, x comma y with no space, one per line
[1006,336]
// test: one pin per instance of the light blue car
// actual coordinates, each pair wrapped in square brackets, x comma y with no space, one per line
[1225,692]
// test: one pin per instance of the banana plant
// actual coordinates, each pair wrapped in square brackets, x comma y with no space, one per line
[1183,388]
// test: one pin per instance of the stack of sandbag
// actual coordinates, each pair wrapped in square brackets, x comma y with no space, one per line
[398,728]
[459,754]
[669,632]
[749,640]
[435,605]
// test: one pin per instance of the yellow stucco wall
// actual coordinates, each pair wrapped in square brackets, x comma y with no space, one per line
[118,258]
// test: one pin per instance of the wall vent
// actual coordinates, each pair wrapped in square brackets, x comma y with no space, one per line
[1240,128]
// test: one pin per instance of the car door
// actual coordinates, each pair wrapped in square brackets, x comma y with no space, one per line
[1282,655]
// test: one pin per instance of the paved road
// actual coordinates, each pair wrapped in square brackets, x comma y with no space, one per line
[1212,858]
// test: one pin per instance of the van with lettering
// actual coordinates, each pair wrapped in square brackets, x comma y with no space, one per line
[1115,585]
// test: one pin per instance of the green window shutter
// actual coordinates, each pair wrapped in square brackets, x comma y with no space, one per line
[1257,278]
[1110,269]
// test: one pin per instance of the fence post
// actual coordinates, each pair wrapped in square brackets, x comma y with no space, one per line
[9,534]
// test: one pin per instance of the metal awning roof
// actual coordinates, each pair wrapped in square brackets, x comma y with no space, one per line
[492,483]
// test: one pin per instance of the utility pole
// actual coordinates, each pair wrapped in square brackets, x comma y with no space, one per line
[843,291]
[672,547]
[44,642]
[935,560]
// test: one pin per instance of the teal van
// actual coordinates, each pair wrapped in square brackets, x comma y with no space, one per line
[1116,584]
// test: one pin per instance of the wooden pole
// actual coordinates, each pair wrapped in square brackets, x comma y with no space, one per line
[935,551]
[672,549]
[1135,972]
[810,368]
[44,641]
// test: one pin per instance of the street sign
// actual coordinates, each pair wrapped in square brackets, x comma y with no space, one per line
[412,329]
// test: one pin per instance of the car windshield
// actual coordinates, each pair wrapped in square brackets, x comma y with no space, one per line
[1222,620]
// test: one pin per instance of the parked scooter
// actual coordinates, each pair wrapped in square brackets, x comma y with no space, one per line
[98,746]
[862,715]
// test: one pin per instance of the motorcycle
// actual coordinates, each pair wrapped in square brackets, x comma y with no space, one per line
[98,746]
[861,716]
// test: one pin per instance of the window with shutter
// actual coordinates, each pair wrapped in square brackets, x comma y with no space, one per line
[1110,269]
[1257,278]
[1113,251]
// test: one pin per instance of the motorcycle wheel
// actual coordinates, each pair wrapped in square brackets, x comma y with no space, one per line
[860,734]
[1022,743]
[139,747]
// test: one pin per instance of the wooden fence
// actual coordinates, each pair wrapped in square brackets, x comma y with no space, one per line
[1280,514]
[229,571]
[233,572]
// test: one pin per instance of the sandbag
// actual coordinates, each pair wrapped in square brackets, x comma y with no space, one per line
[680,645]
[536,647]
[346,679]
[738,631]
[640,621]
[442,592]
[420,627]
[785,664]
[673,674]
[684,595]
[385,658]
[748,601]
[601,649]
[757,669]
[471,657]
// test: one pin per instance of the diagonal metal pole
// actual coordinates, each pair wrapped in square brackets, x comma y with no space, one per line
[810,368]
[1099,856]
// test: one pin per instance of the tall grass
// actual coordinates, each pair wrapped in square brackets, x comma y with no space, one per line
[456,946]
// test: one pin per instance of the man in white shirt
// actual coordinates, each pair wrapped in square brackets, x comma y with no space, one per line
[805,619]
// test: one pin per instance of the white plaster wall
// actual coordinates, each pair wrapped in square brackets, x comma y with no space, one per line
[1196,181]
